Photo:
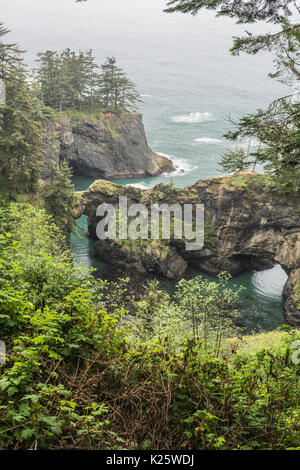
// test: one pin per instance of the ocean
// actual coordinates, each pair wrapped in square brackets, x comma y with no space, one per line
[190,85]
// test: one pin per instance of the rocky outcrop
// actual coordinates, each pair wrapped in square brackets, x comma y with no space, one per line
[142,259]
[108,147]
[291,295]
[248,225]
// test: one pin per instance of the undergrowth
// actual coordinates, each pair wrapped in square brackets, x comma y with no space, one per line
[81,374]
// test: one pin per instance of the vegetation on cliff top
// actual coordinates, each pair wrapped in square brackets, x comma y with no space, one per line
[62,82]
[74,81]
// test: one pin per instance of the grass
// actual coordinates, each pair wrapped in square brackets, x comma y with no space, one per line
[78,116]
[256,342]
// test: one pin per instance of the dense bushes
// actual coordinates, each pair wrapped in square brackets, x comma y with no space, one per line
[79,374]
[51,326]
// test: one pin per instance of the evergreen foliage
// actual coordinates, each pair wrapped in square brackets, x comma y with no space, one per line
[235,160]
[20,127]
[70,80]
[60,198]
[246,11]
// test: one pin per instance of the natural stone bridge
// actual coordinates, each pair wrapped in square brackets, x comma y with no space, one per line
[249,227]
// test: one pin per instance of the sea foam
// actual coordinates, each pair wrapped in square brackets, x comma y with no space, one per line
[182,167]
[208,140]
[194,117]
[138,185]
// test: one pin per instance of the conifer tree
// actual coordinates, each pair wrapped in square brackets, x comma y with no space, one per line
[235,160]
[20,131]
[117,91]
[73,72]
[129,96]
[49,80]
[92,80]
[60,198]
[70,80]
[110,75]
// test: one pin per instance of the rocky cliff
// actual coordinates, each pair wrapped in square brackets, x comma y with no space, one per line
[248,226]
[107,147]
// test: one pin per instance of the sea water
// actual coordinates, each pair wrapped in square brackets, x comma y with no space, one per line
[192,88]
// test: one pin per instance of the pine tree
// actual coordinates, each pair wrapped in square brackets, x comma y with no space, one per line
[74,80]
[235,160]
[49,80]
[246,11]
[108,82]
[129,96]
[116,90]
[20,132]
[60,198]
[92,80]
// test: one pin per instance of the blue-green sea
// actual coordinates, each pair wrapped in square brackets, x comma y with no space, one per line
[261,298]
[190,85]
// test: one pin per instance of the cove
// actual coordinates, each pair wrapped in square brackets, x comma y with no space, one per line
[261,301]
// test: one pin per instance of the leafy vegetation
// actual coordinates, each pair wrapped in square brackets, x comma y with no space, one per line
[79,374]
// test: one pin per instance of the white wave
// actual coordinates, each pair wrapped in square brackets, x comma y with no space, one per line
[138,185]
[194,117]
[208,140]
[146,96]
[182,167]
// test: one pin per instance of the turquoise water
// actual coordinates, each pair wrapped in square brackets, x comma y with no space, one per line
[261,300]
[190,85]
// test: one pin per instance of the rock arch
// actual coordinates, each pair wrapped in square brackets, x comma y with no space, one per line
[250,226]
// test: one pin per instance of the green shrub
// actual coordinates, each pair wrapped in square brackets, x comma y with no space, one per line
[80,375]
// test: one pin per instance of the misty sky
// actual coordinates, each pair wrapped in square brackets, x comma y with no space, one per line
[112,25]
[162,53]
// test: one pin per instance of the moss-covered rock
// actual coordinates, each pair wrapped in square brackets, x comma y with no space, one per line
[248,226]
[154,257]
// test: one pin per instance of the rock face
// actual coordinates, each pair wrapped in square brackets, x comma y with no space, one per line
[110,147]
[291,295]
[248,225]
[154,258]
